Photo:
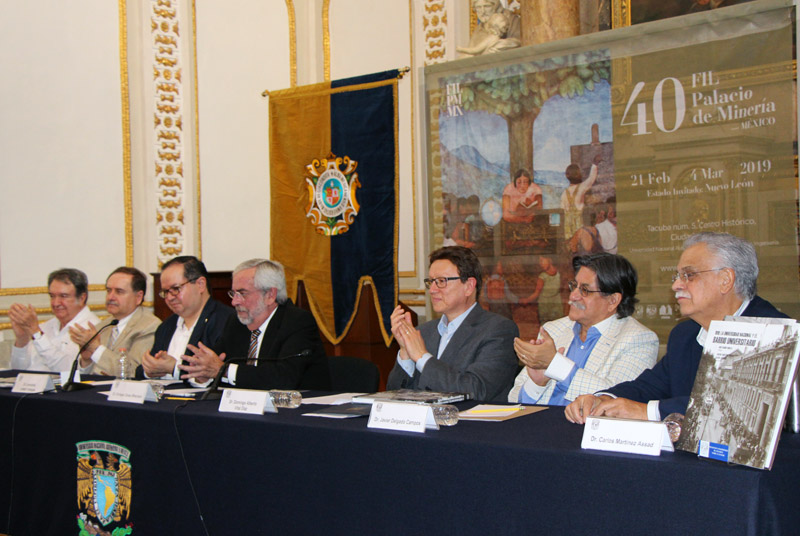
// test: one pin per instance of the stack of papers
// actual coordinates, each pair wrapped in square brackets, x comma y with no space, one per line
[497,413]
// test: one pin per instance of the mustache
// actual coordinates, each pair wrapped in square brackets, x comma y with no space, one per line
[682,294]
[577,305]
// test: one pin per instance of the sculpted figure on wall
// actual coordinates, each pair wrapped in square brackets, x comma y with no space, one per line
[498,29]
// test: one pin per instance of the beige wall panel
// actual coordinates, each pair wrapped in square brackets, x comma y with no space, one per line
[60,140]
[242,49]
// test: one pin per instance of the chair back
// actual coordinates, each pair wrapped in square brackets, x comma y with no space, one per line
[353,374]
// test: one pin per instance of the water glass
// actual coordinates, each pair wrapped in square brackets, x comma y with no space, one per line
[445,414]
[285,399]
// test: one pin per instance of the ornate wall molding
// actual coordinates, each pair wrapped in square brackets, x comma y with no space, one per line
[168,129]
[290,11]
[434,28]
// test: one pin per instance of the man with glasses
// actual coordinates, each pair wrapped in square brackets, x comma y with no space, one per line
[125,290]
[48,346]
[716,277]
[270,345]
[468,350]
[197,318]
[596,346]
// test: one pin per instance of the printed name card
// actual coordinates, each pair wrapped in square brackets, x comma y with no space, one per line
[33,383]
[131,391]
[626,435]
[246,401]
[404,417]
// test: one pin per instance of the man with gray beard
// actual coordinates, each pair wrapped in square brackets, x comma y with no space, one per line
[716,277]
[599,344]
[270,344]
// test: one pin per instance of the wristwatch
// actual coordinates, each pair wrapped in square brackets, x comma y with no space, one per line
[38,335]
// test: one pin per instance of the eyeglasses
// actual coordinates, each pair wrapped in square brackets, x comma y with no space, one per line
[583,289]
[689,276]
[441,282]
[175,290]
[243,293]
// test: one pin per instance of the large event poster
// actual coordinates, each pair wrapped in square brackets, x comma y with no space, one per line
[626,141]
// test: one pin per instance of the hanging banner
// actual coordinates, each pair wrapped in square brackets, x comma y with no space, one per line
[625,141]
[333,188]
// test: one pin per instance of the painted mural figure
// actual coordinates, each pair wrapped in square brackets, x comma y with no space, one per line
[521,197]
[572,200]
[547,293]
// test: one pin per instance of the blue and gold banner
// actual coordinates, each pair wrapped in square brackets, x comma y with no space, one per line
[333,169]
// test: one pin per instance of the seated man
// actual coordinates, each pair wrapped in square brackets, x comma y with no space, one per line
[197,317]
[271,345]
[716,277]
[125,289]
[468,350]
[605,346]
[48,347]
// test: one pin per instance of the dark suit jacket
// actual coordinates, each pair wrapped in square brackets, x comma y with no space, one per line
[671,380]
[291,331]
[479,359]
[209,328]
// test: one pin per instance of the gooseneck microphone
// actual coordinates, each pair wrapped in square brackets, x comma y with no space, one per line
[214,393]
[70,385]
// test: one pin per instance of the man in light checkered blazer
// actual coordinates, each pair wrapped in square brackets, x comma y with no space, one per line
[596,346]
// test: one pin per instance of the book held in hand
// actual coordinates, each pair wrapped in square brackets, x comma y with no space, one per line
[741,391]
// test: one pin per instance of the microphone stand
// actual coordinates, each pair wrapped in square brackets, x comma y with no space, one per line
[213,392]
[70,385]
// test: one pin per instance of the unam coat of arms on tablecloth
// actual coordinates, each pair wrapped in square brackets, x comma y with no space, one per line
[104,488]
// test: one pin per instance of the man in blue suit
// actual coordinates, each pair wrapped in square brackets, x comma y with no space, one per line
[198,318]
[716,277]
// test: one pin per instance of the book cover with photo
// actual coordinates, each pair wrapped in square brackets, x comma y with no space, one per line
[741,392]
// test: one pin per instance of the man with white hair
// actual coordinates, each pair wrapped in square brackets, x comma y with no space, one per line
[270,345]
[716,277]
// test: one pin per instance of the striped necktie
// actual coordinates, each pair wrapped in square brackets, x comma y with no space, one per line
[252,352]
[113,338]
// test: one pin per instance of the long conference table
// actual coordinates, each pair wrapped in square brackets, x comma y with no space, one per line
[286,473]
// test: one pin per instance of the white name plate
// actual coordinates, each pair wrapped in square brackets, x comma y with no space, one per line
[131,391]
[626,435]
[246,401]
[33,383]
[400,416]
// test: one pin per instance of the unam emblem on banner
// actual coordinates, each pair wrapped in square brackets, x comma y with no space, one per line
[104,487]
[332,204]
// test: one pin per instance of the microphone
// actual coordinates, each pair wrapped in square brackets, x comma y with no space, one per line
[71,385]
[214,393]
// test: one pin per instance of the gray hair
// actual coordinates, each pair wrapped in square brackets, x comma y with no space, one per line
[269,274]
[735,253]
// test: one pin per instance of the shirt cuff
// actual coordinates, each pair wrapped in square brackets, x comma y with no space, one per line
[420,364]
[231,374]
[532,389]
[653,413]
[406,364]
[560,368]
[42,344]
[97,353]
